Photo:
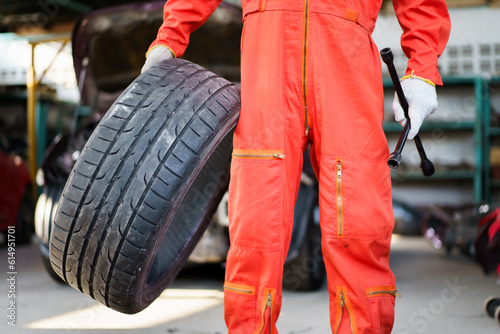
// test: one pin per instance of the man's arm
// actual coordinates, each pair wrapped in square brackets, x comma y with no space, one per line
[426,28]
[180,19]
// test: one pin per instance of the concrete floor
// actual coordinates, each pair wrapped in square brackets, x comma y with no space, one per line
[441,294]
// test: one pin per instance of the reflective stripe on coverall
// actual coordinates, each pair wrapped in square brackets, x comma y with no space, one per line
[311,74]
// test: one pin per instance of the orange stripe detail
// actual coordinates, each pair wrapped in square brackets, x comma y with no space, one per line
[262,5]
[351,312]
[338,309]
[263,308]
[351,14]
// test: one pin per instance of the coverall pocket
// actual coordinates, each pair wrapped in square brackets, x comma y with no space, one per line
[238,297]
[355,196]
[255,199]
[381,300]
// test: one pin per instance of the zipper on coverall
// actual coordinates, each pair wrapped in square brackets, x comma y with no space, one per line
[268,306]
[339,198]
[304,69]
[261,156]
[343,305]
[239,290]
[381,291]
[258,154]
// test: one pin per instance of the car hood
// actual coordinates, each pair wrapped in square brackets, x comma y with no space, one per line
[16,13]
[109,47]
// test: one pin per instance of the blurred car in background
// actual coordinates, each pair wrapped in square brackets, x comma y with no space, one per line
[16,200]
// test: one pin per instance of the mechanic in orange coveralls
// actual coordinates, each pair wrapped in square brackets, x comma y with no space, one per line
[311,75]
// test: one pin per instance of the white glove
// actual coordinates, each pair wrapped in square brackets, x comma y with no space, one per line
[155,56]
[422,102]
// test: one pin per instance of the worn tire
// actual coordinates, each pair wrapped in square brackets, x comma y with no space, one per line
[146,185]
[46,208]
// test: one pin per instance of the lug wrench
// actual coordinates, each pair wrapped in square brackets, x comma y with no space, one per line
[395,158]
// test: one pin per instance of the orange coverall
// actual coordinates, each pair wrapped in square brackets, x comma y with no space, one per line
[311,75]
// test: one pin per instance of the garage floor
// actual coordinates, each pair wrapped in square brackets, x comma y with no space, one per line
[441,294]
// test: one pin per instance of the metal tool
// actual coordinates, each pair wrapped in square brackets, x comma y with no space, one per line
[395,158]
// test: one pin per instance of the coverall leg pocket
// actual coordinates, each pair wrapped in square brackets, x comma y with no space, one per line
[238,297]
[355,199]
[255,200]
[381,301]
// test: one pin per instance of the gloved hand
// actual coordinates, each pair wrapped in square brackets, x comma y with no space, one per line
[422,102]
[155,56]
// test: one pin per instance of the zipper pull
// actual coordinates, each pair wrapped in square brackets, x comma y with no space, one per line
[339,169]
[269,300]
[342,302]
[396,294]
[279,156]
[307,131]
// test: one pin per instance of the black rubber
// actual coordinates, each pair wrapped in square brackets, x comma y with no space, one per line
[25,225]
[45,211]
[146,185]
[491,305]
[306,270]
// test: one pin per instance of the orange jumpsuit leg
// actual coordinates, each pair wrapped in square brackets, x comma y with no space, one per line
[265,172]
[350,148]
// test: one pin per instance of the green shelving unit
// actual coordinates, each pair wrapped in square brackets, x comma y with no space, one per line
[394,127]
[438,175]
[490,185]
[477,175]
[42,107]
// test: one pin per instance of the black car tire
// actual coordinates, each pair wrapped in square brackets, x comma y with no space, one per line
[25,222]
[146,185]
[44,250]
[45,211]
[306,271]
[491,304]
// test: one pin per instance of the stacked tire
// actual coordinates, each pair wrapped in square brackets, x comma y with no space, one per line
[45,212]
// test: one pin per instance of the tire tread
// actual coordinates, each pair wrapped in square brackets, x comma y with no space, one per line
[131,169]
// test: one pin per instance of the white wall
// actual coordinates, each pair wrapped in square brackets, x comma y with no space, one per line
[474,39]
